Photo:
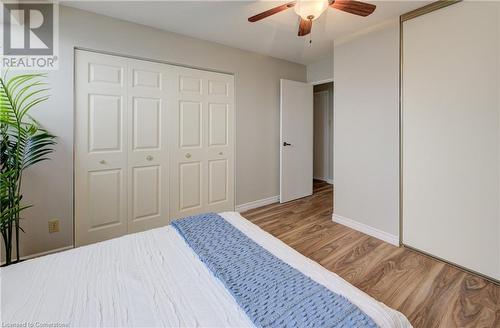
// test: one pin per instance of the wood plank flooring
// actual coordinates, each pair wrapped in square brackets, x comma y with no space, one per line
[429,292]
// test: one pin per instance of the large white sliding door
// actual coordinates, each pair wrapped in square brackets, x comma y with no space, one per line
[152,142]
[451,135]
[202,164]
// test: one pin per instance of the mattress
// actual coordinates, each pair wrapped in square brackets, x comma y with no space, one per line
[150,279]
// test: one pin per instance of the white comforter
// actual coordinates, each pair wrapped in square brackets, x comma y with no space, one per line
[147,279]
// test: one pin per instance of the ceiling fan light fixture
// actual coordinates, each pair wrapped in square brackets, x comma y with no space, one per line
[310,9]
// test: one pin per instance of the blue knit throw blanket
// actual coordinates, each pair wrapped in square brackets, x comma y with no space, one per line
[271,292]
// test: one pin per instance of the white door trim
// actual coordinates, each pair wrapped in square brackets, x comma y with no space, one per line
[321,81]
[117,54]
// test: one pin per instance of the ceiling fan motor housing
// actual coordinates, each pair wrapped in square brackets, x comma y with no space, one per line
[309,10]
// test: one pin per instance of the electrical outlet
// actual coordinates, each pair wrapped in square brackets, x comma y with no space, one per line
[53,225]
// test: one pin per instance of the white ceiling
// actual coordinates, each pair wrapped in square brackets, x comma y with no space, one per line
[226,22]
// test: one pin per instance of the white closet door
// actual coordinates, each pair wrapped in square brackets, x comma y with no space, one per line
[451,135]
[100,147]
[152,142]
[148,146]
[202,161]
[121,147]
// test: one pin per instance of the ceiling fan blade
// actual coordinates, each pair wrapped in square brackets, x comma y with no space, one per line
[305,26]
[271,11]
[354,7]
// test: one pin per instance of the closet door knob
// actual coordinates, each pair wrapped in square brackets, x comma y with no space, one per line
[102,162]
[188,155]
[221,153]
[149,158]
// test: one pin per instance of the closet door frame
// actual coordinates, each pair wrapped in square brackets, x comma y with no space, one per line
[126,102]
[403,18]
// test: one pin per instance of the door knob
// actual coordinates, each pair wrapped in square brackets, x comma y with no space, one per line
[286,144]
[102,162]
[149,158]
[221,153]
[188,155]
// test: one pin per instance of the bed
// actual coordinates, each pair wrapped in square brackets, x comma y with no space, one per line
[151,279]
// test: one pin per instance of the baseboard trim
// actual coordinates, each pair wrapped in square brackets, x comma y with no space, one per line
[374,232]
[52,251]
[256,203]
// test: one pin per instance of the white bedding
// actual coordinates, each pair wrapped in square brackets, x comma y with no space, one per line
[147,279]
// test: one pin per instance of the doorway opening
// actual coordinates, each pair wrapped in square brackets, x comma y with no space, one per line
[323,136]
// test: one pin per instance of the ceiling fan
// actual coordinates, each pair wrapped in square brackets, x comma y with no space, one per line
[309,10]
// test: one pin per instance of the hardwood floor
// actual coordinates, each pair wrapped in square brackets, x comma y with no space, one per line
[429,292]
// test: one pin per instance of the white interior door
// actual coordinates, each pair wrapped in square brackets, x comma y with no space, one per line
[100,147]
[148,146]
[296,140]
[202,161]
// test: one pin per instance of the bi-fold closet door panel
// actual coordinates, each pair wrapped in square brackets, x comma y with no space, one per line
[152,142]
[101,146]
[148,196]
[202,158]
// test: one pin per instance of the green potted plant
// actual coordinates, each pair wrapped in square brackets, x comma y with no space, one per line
[23,143]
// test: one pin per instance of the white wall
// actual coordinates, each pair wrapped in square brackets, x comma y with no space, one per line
[50,186]
[451,117]
[366,137]
[321,70]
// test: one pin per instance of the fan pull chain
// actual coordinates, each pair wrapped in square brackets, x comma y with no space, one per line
[310,37]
